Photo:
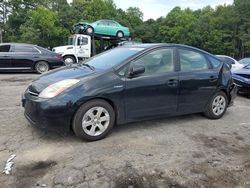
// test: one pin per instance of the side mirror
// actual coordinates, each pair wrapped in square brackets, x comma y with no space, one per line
[134,71]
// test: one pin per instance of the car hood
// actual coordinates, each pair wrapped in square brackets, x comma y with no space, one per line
[74,72]
[61,49]
[242,71]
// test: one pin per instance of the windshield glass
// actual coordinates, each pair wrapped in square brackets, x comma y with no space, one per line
[111,58]
[71,40]
[245,61]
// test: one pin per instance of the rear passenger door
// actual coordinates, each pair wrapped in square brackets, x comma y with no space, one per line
[198,81]
[5,57]
[24,56]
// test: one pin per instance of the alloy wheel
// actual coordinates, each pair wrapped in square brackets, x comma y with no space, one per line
[95,121]
[219,105]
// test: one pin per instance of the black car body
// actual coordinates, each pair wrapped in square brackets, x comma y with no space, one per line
[185,86]
[242,79]
[27,57]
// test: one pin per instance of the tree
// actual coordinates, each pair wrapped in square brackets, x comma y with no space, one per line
[42,28]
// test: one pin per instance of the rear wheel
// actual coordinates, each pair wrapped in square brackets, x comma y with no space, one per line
[217,106]
[69,60]
[93,120]
[120,34]
[42,67]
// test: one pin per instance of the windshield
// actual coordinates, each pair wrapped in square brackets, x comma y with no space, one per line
[245,61]
[71,41]
[111,58]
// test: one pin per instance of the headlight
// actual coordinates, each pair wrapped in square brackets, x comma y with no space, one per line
[57,88]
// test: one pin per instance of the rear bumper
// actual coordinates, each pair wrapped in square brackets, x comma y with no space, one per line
[233,94]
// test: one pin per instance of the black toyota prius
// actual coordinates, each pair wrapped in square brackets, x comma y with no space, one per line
[127,84]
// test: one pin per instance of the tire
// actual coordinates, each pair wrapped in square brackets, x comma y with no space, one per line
[217,106]
[120,34]
[90,30]
[69,60]
[42,67]
[87,124]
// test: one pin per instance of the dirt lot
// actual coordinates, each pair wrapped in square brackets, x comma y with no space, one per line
[187,151]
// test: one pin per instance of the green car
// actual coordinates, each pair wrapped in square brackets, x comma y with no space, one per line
[104,27]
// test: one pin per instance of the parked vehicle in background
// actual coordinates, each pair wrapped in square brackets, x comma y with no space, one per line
[242,80]
[230,61]
[127,84]
[245,61]
[104,27]
[27,57]
[79,47]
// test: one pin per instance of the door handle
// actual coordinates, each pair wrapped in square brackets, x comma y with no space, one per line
[213,79]
[172,83]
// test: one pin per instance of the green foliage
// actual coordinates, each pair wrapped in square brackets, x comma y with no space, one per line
[223,30]
[42,28]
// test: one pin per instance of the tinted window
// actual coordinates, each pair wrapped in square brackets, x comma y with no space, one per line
[5,48]
[103,22]
[159,61]
[113,57]
[216,63]
[25,49]
[191,60]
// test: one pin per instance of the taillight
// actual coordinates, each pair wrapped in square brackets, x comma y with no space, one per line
[59,57]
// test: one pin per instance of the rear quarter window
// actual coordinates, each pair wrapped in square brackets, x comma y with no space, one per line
[215,62]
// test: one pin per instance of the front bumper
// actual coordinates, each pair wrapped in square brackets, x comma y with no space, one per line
[47,114]
[242,87]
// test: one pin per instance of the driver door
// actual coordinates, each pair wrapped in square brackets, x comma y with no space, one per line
[83,47]
[154,92]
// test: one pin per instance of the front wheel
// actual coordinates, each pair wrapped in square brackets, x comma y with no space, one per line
[69,60]
[217,106]
[93,120]
[90,30]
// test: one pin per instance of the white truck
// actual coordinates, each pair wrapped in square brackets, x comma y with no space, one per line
[78,48]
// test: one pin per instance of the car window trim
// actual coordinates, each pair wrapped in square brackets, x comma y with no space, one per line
[143,53]
[196,51]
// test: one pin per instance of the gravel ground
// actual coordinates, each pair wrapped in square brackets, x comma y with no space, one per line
[186,151]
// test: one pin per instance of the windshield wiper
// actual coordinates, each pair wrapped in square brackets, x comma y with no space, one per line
[89,66]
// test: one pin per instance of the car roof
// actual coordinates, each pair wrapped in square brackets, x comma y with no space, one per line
[157,45]
[17,44]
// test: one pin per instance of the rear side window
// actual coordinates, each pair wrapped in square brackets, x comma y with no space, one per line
[25,49]
[216,63]
[191,60]
[5,48]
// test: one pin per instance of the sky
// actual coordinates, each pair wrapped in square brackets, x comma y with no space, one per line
[157,8]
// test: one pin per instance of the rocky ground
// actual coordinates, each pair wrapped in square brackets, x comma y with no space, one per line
[187,151]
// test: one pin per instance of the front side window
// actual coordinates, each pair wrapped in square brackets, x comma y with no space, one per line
[82,41]
[158,61]
[4,48]
[192,61]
